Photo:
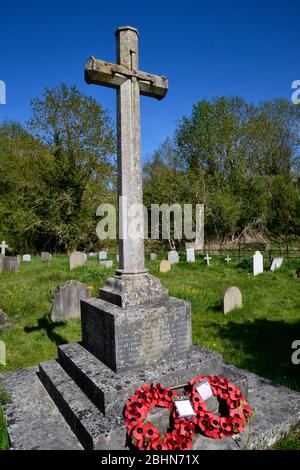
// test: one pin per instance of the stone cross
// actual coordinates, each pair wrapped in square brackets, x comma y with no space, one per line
[227,259]
[130,83]
[3,247]
[207,259]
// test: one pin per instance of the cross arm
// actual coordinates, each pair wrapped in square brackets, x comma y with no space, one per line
[113,75]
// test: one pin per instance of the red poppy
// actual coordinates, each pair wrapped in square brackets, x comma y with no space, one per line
[186,443]
[247,410]
[151,431]
[131,423]
[223,393]
[238,425]
[225,424]
[158,444]
[196,399]
[212,432]
[196,379]
[215,421]
[223,383]
[237,413]
[139,431]
[173,439]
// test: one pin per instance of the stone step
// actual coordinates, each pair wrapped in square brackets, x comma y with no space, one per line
[86,421]
[33,421]
[110,391]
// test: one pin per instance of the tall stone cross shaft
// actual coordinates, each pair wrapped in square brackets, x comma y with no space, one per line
[130,84]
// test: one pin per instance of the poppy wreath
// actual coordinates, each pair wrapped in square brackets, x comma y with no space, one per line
[144,435]
[238,412]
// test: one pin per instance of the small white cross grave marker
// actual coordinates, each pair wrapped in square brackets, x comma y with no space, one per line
[3,248]
[207,258]
[227,259]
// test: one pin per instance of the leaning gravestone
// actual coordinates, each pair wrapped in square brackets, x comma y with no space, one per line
[26,258]
[231,299]
[258,263]
[190,255]
[46,257]
[77,259]
[108,263]
[66,300]
[165,266]
[276,264]
[173,257]
[102,255]
[153,256]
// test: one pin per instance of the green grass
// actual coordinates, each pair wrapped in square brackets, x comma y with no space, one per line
[258,337]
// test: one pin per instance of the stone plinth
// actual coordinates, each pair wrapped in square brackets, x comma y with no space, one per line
[127,338]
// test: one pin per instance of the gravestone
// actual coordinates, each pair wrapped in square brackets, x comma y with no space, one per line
[9,264]
[258,263]
[4,321]
[173,257]
[66,300]
[102,255]
[153,256]
[165,266]
[207,258]
[276,264]
[3,247]
[117,257]
[46,257]
[108,263]
[231,299]
[190,255]
[26,258]
[77,259]
[227,259]
[2,353]
[92,254]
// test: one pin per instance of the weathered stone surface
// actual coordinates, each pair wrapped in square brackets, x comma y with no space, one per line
[9,264]
[153,256]
[127,290]
[102,255]
[46,257]
[131,337]
[276,264]
[4,321]
[108,263]
[165,266]
[258,263]
[173,257]
[190,255]
[26,258]
[77,259]
[109,391]
[32,418]
[66,300]
[231,299]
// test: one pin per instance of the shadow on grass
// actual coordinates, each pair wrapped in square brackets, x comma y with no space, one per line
[46,324]
[266,348]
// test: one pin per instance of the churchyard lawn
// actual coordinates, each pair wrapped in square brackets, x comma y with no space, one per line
[258,337]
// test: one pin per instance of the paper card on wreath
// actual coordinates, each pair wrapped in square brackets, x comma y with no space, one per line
[184,407]
[204,389]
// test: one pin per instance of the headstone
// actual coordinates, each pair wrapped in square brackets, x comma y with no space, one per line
[26,258]
[190,255]
[276,264]
[108,263]
[232,299]
[3,247]
[4,321]
[77,259]
[66,300]
[207,258]
[164,266]
[102,255]
[2,353]
[258,263]
[153,256]
[227,259]
[92,255]
[46,257]
[9,264]
[173,257]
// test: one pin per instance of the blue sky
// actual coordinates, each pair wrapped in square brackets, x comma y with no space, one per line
[205,48]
